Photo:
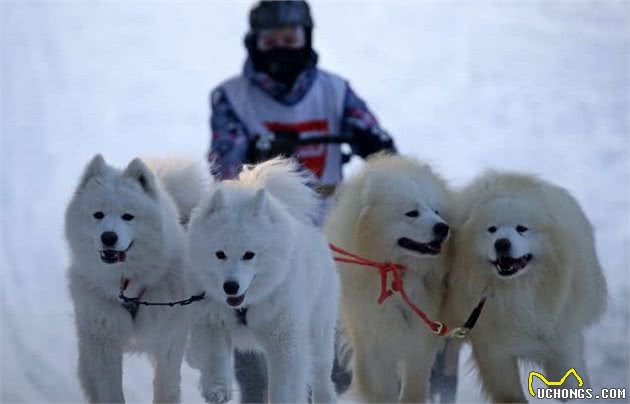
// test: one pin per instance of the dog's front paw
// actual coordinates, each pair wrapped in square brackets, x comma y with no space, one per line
[218,394]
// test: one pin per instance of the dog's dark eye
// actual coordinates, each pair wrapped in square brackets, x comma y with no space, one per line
[492,229]
[521,229]
[98,215]
[248,255]
[437,212]
[412,213]
[127,217]
[221,255]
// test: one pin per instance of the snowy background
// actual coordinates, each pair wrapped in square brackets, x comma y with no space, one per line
[540,86]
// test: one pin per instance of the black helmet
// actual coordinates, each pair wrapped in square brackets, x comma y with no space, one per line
[268,14]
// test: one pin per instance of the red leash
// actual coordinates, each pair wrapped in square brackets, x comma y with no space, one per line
[384,268]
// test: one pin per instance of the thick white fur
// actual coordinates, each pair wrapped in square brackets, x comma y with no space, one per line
[392,346]
[155,263]
[290,285]
[284,180]
[539,314]
[184,179]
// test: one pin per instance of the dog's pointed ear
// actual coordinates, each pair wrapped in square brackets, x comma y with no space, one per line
[217,202]
[260,201]
[95,168]
[139,172]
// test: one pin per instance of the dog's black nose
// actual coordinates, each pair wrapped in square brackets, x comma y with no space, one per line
[502,246]
[109,238]
[230,287]
[441,230]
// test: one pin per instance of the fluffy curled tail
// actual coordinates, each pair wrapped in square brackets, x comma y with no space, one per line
[185,179]
[288,183]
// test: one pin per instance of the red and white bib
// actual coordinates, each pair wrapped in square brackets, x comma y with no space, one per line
[318,113]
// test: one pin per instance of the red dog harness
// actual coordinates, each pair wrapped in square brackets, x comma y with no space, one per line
[384,269]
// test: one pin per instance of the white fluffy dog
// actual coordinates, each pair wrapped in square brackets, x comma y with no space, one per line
[270,282]
[396,209]
[529,245]
[123,232]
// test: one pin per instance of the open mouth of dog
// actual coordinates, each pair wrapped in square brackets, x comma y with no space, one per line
[430,248]
[235,301]
[114,256]
[508,266]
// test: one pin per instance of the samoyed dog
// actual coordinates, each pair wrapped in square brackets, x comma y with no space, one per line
[123,231]
[270,283]
[396,209]
[527,245]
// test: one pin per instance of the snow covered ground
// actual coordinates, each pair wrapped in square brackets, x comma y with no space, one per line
[540,86]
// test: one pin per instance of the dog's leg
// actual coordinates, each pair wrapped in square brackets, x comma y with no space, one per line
[323,346]
[499,375]
[288,361]
[374,371]
[443,379]
[250,369]
[342,367]
[567,354]
[210,351]
[86,372]
[100,368]
[416,368]
[167,375]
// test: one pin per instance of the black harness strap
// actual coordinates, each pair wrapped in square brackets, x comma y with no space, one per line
[184,302]
[132,308]
[474,316]
[241,315]
[131,304]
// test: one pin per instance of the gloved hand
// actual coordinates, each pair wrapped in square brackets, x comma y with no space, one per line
[370,141]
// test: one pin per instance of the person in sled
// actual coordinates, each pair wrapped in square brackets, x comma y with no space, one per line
[280,99]
[283,96]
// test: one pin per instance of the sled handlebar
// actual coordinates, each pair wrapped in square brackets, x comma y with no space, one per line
[286,143]
[338,139]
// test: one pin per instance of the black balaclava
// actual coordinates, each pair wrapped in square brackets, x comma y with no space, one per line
[283,65]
